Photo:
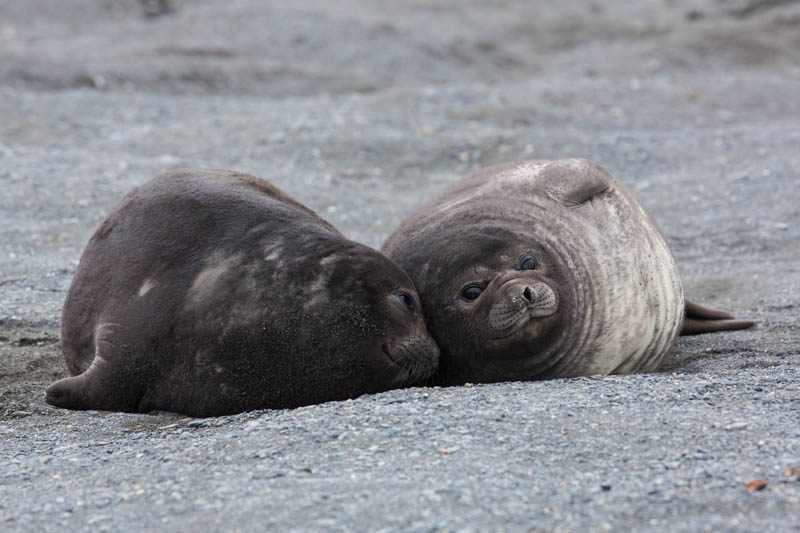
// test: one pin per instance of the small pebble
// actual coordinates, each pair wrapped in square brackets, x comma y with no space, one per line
[756,485]
[736,425]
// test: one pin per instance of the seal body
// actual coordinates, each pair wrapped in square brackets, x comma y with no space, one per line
[543,269]
[210,292]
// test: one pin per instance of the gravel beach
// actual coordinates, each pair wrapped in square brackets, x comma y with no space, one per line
[361,111]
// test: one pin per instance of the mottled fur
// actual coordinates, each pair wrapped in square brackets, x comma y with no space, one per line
[209,292]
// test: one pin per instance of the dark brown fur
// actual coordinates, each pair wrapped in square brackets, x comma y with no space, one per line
[213,292]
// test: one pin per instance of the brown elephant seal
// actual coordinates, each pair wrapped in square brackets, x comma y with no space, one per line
[541,269]
[210,292]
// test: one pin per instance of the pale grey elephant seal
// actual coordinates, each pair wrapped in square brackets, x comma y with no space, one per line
[541,269]
[210,292]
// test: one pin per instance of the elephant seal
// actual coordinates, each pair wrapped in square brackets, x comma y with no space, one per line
[210,292]
[544,269]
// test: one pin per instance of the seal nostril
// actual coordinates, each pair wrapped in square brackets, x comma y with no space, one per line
[527,293]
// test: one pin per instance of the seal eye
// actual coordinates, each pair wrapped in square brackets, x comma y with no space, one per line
[406,299]
[527,262]
[471,292]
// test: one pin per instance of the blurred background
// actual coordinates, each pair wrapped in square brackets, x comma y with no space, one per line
[363,109]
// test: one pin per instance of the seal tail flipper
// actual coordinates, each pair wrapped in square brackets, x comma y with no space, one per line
[69,393]
[93,389]
[81,391]
[700,319]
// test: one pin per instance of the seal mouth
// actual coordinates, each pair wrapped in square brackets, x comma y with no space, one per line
[524,302]
[412,361]
[388,353]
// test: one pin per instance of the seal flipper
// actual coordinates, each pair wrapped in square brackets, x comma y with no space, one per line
[69,393]
[574,181]
[699,319]
[95,388]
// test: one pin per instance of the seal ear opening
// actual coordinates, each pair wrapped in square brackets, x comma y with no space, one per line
[699,319]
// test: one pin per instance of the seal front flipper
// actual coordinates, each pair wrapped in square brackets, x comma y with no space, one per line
[699,319]
[574,181]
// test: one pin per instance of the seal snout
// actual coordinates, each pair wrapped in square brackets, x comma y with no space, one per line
[540,299]
[519,302]
[416,357]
